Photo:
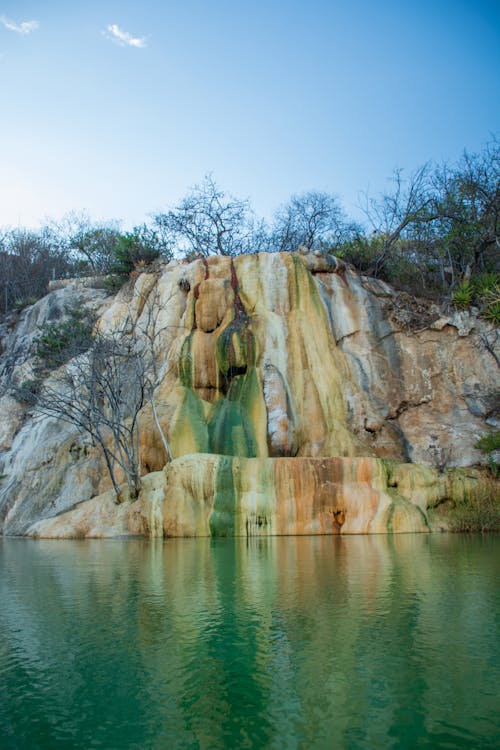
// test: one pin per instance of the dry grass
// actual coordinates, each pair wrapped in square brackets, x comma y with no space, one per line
[479,510]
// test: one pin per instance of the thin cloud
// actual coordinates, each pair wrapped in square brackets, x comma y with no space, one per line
[123,38]
[25,27]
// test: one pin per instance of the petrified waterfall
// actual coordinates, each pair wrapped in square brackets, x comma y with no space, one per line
[294,401]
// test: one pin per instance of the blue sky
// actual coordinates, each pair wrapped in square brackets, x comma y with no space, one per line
[119,107]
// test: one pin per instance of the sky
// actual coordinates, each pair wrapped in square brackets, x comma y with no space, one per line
[118,108]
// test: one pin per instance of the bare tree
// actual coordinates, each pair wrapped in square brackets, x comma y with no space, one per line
[100,392]
[445,220]
[103,390]
[152,336]
[208,222]
[90,245]
[410,205]
[314,220]
[28,262]
[469,211]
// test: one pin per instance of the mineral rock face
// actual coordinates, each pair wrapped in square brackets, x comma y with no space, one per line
[286,383]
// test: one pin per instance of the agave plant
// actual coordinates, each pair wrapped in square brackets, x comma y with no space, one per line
[463,295]
[492,305]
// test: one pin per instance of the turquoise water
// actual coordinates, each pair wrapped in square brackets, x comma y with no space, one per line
[325,642]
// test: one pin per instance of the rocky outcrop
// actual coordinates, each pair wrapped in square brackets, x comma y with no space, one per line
[203,495]
[289,384]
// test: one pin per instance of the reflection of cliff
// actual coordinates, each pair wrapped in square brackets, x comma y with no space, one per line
[345,640]
[283,360]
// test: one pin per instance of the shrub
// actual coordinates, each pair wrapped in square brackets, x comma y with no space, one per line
[23,302]
[136,250]
[361,251]
[489,444]
[62,341]
[114,282]
[28,391]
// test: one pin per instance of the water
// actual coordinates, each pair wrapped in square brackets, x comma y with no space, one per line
[326,642]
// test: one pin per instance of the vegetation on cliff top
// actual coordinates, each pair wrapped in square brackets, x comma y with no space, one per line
[435,234]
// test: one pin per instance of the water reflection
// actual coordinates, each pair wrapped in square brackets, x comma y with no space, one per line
[359,642]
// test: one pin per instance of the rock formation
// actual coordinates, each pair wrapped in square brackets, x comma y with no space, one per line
[297,396]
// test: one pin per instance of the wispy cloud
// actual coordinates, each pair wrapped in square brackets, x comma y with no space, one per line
[25,27]
[123,38]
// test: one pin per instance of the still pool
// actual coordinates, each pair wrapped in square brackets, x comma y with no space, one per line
[315,642]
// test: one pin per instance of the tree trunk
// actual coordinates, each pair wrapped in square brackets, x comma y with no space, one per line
[160,430]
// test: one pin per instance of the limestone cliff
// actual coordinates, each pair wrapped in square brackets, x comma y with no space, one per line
[297,397]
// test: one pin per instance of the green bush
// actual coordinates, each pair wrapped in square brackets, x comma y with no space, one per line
[28,391]
[62,341]
[135,251]
[23,302]
[489,444]
[114,282]
[361,251]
